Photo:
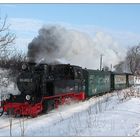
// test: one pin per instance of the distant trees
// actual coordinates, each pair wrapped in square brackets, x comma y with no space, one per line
[14,62]
[131,62]
[9,58]
[120,67]
[106,68]
[133,59]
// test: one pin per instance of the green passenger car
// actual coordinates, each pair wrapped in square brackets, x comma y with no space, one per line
[120,81]
[97,82]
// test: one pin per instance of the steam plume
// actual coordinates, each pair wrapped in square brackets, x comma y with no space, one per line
[58,44]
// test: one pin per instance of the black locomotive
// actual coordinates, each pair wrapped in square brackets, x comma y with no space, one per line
[44,87]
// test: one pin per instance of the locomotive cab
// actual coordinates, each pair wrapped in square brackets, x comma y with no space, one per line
[67,78]
[65,82]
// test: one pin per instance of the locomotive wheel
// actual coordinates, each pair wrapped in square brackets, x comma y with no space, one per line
[1,111]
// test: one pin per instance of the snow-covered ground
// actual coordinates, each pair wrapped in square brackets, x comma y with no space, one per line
[6,85]
[113,114]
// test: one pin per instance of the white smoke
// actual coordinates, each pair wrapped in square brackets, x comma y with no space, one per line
[59,44]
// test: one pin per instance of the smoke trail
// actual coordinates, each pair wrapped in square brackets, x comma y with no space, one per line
[59,44]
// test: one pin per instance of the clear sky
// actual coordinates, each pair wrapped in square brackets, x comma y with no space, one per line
[116,16]
[122,21]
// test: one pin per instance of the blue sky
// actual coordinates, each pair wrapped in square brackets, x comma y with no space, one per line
[115,16]
[121,21]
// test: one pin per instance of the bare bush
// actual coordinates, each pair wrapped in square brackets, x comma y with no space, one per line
[98,105]
[131,62]
[10,121]
[4,80]
[13,64]
[133,58]
[6,39]
[106,100]
[135,92]
[22,126]
[127,94]
[120,96]
[14,61]
[9,58]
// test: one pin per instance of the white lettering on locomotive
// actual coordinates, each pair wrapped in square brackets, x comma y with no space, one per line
[25,80]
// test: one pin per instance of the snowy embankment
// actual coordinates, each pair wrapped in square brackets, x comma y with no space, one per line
[113,114]
[6,85]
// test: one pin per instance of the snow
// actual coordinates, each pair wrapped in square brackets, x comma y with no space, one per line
[113,114]
[6,85]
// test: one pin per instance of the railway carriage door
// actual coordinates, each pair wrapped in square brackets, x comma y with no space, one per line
[112,82]
[50,88]
[78,77]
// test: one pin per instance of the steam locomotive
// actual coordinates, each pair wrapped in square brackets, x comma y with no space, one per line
[44,87]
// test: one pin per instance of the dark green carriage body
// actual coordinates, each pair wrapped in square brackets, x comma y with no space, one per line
[97,82]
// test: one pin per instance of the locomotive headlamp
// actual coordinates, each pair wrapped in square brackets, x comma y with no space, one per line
[24,66]
[28,97]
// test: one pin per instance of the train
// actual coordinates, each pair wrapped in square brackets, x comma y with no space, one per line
[44,87]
